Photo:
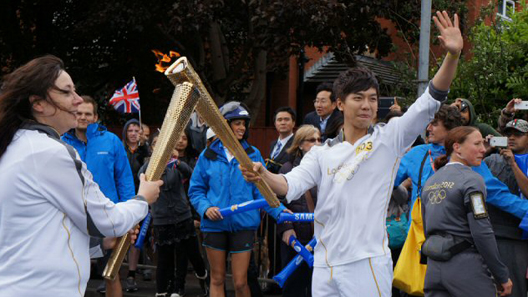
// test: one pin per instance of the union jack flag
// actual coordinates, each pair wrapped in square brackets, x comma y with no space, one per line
[126,100]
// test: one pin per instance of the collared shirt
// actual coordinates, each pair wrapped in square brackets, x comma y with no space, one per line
[282,142]
[323,122]
[229,156]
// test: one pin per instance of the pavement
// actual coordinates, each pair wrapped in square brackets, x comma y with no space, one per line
[148,288]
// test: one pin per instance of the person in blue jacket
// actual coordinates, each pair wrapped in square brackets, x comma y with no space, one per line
[103,152]
[445,120]
[217,182]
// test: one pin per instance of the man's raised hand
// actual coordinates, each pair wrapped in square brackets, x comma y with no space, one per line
[450,35]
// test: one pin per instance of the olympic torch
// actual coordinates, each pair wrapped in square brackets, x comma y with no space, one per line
[182,71]
[182,104]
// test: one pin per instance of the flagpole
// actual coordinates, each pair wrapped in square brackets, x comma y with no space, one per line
[140,125]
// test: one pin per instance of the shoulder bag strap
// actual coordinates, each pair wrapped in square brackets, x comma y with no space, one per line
[419,190]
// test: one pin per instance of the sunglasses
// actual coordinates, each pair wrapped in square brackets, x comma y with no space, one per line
[463,106]
[514,132]
[312,140]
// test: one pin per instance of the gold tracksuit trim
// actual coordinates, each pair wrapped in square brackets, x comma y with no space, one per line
[106,213]
[73,256]
[389,194]
[374,276]
[326,250]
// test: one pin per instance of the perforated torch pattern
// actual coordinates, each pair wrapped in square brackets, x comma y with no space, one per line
[208,110]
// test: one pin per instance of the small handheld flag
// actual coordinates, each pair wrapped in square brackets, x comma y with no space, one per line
[126,100]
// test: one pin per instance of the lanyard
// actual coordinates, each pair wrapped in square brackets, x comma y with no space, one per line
[431,161]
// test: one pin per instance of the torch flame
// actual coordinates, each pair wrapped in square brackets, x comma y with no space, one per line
[164,60]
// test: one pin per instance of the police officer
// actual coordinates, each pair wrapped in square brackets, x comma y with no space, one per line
[460,244]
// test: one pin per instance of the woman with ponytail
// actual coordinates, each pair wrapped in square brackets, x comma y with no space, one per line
[49,204]
[460,244]
[216,183]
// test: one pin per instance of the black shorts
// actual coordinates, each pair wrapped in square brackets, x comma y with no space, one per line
[232,242]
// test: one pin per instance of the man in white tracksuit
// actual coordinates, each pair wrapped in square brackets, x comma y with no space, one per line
[354,174]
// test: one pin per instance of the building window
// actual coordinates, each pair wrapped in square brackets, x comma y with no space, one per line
[506,9]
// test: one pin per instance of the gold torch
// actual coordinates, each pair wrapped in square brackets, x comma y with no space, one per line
[182,104]
[189,93]
[182,71]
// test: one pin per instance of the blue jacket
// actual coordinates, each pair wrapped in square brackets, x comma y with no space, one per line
[498,193]
[105,157]
[217,182]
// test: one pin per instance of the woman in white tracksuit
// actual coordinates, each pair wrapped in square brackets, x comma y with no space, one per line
[49,204]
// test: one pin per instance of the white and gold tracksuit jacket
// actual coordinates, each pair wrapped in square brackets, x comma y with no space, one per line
[49,208]
[355,183]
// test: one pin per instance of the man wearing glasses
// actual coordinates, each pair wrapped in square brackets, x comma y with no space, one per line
[469,117]
[325,109]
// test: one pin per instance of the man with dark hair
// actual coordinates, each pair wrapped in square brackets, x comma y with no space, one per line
[284,120]
[106,159]
[510,168]
[325,108]
[354,174]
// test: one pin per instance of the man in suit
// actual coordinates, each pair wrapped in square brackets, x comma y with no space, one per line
[284,120]
[325,109]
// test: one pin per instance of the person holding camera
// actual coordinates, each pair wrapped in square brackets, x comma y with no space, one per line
[509,166]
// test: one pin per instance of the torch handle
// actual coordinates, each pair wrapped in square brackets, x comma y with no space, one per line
[116,258]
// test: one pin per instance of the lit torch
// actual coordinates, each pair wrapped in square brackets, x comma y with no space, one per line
[189,93]
[182,104]
[182,71]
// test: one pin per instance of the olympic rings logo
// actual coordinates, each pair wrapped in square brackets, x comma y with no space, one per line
[436,197]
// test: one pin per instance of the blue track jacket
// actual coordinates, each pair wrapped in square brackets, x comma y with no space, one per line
[498,193]
[106,159]
[217,182]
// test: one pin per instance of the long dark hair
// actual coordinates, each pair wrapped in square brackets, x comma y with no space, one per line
[190,152]
[456,135]
[35,78]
